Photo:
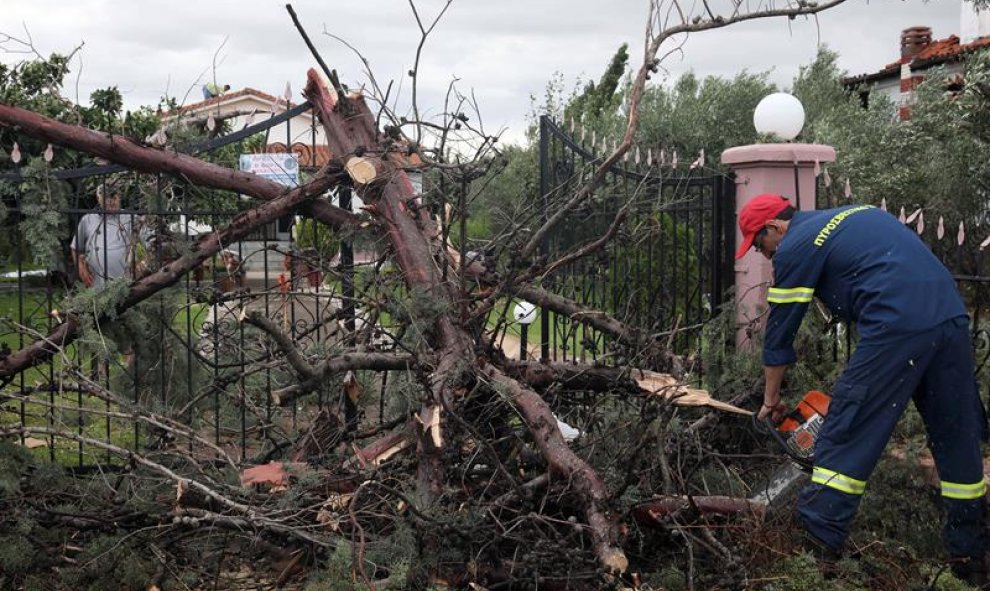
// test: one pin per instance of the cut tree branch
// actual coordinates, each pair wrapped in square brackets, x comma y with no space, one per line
[563,461]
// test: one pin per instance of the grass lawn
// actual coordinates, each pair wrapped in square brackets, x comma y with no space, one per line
[191,317]
[68,411]
[71,413]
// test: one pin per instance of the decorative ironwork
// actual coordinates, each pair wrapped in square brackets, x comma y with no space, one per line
[670,263]
[191,358]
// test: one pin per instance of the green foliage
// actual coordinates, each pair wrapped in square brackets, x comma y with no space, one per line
[43,225]
[109,562]
[511,188]
[819,88]
[338,573]
[314,236]
[914,521]
[595,101]
[938,159]
[653,248]
[107,105]
[16,553]
[509,192]
[713,114]
[800,573]
[36,85]
[14,459]
[820,347]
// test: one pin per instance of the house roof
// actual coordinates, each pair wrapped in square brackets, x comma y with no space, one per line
[309,155]
[935,53]
[242,95]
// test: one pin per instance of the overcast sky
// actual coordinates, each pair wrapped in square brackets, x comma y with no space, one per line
[504,51]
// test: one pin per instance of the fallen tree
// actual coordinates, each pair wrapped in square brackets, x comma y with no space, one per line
[479,457]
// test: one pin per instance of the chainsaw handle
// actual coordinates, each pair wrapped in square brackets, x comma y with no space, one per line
[771,428]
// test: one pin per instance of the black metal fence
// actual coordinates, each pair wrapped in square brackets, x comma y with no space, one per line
[185,354]
[668,268]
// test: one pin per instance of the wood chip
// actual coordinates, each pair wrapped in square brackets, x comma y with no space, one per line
[668,386]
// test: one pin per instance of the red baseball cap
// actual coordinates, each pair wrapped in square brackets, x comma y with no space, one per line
[754,216]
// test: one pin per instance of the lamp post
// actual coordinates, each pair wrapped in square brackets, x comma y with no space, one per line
[525,314]
[781,115]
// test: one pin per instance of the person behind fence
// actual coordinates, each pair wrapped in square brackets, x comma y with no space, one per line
[105,240]
[914,344]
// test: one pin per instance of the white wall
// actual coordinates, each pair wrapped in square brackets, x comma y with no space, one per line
[973,23]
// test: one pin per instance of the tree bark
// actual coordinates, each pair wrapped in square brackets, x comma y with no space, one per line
[652,512]
[355,135]
[657,355]
[127,152]
[570,376]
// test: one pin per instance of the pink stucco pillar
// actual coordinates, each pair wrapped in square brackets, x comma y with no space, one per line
[785,169]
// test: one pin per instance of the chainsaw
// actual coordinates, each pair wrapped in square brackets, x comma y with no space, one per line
[795,433]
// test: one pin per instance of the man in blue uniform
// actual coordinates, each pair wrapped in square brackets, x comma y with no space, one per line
[868,268]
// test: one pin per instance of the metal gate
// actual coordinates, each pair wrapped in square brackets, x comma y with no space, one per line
[668,269]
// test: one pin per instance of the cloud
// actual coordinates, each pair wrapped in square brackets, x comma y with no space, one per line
[504,51]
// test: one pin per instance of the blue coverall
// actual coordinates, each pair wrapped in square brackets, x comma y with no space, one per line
[867,267]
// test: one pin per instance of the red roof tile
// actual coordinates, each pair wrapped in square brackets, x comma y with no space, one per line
[933,54]
[948,49]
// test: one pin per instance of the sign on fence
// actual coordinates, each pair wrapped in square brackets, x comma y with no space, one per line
[281,168]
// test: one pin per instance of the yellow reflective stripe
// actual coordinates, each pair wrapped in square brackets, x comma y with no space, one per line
[954,490]
[839,482]
[795,300]
[776,295]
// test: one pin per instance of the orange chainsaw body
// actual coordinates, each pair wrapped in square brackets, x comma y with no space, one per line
[801,426]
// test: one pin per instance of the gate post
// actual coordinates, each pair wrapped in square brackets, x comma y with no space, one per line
[785,169]
[545,184]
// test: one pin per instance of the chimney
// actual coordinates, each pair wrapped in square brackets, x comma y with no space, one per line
[913,40]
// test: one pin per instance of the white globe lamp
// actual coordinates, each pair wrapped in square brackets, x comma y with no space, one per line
[524,313]
[779,114]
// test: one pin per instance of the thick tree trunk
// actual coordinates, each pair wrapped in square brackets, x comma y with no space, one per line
[412,248]
[351,133]
[447,349]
